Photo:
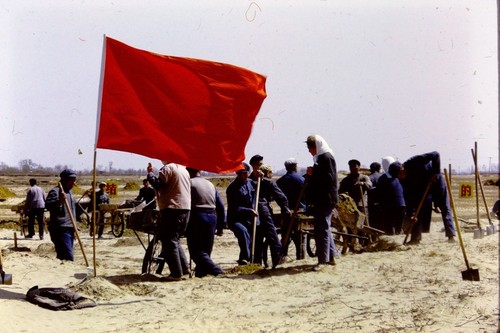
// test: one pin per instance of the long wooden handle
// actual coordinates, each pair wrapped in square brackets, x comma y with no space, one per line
[420,204]
[478,177]
[68,208]
[474,157]
[286,237]
[254,227]
[457,225]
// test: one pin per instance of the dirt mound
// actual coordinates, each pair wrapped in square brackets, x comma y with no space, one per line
[131,186]
[6,193]
[127,241]
[45,249]
[97,288]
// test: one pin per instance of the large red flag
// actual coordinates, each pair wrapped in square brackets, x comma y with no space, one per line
[193,112]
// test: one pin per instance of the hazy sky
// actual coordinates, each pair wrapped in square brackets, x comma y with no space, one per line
[374,78]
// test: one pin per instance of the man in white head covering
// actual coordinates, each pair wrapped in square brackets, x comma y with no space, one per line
[386,161]
[323,197]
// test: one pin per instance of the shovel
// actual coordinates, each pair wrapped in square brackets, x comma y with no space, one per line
[6,278]
[470,274]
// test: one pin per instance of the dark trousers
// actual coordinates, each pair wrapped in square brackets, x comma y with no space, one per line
[423,221]
[173,224]
[243,233]
[325,245]
[63,239]
[267,231]
[375,216]
[99,223]
[393,218]
[200,239]
[38,214]
[449,226]
[295,236]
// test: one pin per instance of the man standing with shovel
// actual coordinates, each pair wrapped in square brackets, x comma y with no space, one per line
[61,229]
[418,175]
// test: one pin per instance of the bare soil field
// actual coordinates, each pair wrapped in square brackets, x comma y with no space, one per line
[391,288]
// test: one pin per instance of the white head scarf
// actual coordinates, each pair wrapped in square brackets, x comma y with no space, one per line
[386,161]
[321,147]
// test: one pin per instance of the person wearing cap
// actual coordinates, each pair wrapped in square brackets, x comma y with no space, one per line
[35,208]
[392,201]
[292,184]
[101,197]
[61,228]
[355,184]
[269,191]
[207,217]
[173,186]
[147,194]
[240,196]
[323,197]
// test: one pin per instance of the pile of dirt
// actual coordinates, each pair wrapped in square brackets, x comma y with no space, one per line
[382,244]
[245,269]
[131,186]
[6,193]
[97,288]
[45,250]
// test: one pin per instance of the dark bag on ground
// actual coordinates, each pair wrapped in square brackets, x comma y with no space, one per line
[58,299]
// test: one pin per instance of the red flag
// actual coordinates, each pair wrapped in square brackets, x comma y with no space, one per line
[193,112]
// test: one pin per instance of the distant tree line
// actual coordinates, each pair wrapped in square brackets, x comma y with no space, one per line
[28,166]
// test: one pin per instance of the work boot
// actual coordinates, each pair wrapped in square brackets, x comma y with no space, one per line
[451,239]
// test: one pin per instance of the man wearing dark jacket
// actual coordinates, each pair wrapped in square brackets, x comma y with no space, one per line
[416,175]
[269,192]
[240,211]
[323,196]
[62,232]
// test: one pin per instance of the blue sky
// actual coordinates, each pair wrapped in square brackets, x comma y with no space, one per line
[374,78]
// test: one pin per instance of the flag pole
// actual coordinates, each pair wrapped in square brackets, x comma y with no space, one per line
[98,118]
[94,204]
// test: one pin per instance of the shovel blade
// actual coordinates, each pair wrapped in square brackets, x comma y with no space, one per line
[6,279]
[470,275]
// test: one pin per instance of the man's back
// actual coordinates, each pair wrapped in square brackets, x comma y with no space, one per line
[291,185]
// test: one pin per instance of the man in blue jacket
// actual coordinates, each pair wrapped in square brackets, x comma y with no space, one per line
[240,211]
[62,232]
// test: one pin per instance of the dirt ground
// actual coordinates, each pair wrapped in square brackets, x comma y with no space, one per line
[394,288]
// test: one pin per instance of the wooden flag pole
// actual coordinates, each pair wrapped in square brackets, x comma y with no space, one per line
[94,226]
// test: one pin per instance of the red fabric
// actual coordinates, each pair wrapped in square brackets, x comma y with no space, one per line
[193,112]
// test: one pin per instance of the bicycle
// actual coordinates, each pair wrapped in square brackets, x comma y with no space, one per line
[147,221]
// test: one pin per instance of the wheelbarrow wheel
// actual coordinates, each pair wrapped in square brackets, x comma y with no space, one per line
[153,262]
[311,245]
[117,225]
